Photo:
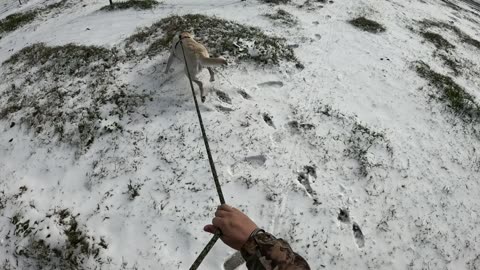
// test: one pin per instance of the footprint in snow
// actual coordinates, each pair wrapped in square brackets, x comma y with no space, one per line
[357,233]
[223,109]
[244,94]
[223,97]
[258,160]
[268,119]
[344,215]
[304,178]
[271,84]
[234,261]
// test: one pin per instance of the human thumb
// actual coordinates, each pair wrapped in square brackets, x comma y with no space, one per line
[210,229]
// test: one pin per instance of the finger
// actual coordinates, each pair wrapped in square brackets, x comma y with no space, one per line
[218,222]
[225,207]
[221,213]
[210,228]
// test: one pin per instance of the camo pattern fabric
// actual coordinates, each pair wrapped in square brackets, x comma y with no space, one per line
[263,251]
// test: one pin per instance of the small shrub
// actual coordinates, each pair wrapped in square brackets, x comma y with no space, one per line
[283,17]
[437,40]
[137,4]
[16,20]
[218,35]
[367,25]
[455,97]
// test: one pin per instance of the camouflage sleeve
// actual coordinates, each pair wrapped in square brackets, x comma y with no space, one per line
[263,251]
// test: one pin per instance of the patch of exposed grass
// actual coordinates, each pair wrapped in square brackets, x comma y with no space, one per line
[362,139]
[450,62]
[76,248]
[464,37]
[16,20]
[136,4]
[367,25]
[218,35]
[437,40]
[64,91]
[452,94]
[283,17]
[277,2]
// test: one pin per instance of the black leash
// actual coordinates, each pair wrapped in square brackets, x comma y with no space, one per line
[217,234]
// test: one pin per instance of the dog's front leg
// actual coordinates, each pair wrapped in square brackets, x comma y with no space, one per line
[212,75]
[169,62]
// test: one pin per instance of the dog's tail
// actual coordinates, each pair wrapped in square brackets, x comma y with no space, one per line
[212,61]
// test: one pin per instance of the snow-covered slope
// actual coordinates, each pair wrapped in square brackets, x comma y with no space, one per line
[355,139]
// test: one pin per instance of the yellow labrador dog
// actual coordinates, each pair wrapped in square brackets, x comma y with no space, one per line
[197,57]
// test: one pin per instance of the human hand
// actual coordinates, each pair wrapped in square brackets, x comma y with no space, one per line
[235,226]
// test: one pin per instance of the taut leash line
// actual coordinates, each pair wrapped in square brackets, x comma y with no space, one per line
[218,233]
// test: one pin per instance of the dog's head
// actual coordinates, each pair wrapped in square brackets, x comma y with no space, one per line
[183,35]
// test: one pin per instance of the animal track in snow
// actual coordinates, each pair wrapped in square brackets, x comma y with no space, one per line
[357,233]
[304,178]
[268,119]
[271,84]
[297,127]
[244,94]
[344,215]
[223,109]
[223,97]
[258,160]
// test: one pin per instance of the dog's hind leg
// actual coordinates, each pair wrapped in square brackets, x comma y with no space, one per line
[203,94]
[212,75]
[170,61]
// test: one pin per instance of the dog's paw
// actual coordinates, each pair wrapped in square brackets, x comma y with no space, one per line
[212,79]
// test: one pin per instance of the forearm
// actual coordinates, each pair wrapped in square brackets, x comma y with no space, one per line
[263,251]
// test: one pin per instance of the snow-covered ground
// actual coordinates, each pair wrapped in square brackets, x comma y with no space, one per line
[357,129]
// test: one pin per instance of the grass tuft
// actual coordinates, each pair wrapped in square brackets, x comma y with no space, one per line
[367,25]
[283,17]
[437,40]
[452,94]
[218,35]
[136,4]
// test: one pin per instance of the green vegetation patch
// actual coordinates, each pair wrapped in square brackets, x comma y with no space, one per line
[464,37]
[360,143]
[452,94]
[283,17]
[136,4]
[16,20]
[221,37]
[367,25]
[437,40]
[65,92]
[75,248]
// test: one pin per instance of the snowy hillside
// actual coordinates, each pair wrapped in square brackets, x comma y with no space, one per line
[349,128]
